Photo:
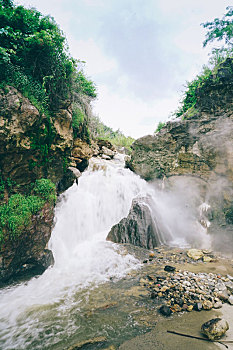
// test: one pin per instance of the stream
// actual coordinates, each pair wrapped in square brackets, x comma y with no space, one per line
[76,298]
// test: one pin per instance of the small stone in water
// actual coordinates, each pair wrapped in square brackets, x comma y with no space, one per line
[169,268]
[165,310]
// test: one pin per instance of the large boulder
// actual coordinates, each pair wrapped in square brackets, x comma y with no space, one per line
[139,228]
[215,328]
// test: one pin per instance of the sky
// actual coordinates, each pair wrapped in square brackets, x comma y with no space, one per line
[139,53]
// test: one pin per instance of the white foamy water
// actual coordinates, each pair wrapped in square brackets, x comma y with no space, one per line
[83,258]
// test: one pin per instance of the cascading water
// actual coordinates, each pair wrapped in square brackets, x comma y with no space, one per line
[40,313]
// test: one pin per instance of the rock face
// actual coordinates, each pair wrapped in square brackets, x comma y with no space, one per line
[139,228]
[24,138]
[215,328]
[198,147]
[28,252]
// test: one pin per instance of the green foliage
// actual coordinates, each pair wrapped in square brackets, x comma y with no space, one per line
[35,46]
[29,87]
[7,184]
[82,85]
[190,95]
[16,215]
[2,188]
[45,189]
[41,140]
[160,126]
[220,29]
[80,125]
[100,131]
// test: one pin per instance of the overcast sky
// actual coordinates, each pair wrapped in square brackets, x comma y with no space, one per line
[139,53]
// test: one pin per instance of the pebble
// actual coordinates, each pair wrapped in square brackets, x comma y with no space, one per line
[165,310]
[187,291]
[217,305]
[207,305]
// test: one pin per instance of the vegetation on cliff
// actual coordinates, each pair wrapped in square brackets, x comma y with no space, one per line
[220,30]
[100,131]
[16,215]
[34,58]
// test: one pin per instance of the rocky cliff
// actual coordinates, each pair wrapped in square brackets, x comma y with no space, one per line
[34,146]
[198,146]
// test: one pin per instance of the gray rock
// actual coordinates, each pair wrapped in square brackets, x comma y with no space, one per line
[139,228]
[165,310]
[217,305]
[195,254]
[215,328]
[223,295]
[230,299]
[104,156]
[108,152]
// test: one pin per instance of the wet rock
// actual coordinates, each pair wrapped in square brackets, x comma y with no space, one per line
[169,268]
[108,152]
[207,258]
[230,277]
[190,308]
[104,156]
[165,310]
[217,305]
[215,328]
[197,306]
[195,254]
[207,305]
[223,295]
[72,174]
[176,308]
[138,228]
[85,343]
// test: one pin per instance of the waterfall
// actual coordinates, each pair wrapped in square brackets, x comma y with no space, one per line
[83,258]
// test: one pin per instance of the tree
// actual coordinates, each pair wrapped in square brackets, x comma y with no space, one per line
[220,29]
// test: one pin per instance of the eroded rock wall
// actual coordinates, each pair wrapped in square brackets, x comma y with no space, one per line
[199,146]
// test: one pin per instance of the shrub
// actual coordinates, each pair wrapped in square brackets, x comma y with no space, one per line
[36,48]
[160,126]
[16,215]
[45,189]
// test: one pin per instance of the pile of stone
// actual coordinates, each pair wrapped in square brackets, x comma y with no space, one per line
[187,291]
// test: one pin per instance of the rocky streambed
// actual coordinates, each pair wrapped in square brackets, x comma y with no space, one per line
[171,291]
